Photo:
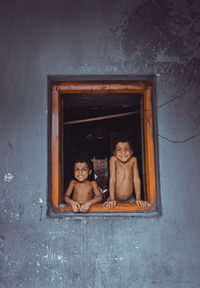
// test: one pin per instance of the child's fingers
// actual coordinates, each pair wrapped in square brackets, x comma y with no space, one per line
[109,204]
[76,207]
[83,210]
[75,210]
[113,203]
[139,203]
[142,204]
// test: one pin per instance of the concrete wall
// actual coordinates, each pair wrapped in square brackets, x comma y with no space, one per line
[65,37]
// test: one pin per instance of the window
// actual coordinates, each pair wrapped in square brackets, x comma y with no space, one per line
[85,117]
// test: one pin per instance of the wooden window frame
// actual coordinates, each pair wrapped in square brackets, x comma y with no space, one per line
[57,89]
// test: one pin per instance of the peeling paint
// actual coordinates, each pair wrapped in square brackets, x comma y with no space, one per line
[8,177]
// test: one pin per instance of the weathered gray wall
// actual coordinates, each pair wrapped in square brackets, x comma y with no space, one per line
[49,37]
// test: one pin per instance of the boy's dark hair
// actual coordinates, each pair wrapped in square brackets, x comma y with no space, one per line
[122,138]
[84,158]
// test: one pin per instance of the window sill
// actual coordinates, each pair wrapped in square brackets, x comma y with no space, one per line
[99,208]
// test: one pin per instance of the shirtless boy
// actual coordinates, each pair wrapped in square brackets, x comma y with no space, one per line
[124,175]
[84,192]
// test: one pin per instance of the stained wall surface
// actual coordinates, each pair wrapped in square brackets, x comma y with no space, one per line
[90,37]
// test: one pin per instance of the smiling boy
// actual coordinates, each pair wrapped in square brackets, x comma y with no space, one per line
[84,192]
[124,175]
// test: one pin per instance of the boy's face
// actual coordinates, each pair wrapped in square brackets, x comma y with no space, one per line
[81,171]
[123,151]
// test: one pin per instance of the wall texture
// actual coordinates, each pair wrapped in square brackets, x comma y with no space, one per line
[65,37]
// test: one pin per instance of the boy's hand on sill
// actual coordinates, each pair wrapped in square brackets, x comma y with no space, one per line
[142,204]
[110,204]
[75,207]
[85,207]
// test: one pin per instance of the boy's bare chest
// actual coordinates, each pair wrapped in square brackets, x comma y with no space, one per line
[83,188]
[124,171]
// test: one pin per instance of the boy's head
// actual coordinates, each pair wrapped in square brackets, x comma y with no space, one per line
[122,138]
[123,148]
[83,167]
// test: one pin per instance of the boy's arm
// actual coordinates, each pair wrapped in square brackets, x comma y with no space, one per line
[112,182]
[137,185]
[75,205]
[69,192]
[97,198]
[136,180]
[112,179]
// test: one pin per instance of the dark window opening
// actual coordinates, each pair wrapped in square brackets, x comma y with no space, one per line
[89,126]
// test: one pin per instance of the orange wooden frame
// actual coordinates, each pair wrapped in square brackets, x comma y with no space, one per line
[133,87]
